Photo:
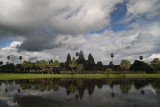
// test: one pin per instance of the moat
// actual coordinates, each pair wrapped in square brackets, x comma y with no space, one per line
[80,93]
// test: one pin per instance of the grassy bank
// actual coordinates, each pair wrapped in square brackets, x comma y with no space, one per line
[34,76]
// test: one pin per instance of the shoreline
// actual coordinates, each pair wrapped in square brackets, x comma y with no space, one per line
[13,76]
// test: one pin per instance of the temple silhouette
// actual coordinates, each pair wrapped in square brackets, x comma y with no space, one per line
[89,64]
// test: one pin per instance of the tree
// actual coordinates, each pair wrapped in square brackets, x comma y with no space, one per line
[20,58]
[41,64]
[77,54]
[140,65]
[125,64]
[1,63]
[27,65]
[99,63]
[112,56]
[73,64]
[108,71]
[155,64]
[50,63]
[80,67]
[8,58]
[56,64]
[141,58]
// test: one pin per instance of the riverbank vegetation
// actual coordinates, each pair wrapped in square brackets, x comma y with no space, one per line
[80,65]
[35,76]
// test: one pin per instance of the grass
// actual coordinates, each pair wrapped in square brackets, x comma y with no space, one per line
[34,76]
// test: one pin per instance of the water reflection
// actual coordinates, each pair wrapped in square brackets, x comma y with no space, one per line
[80,92]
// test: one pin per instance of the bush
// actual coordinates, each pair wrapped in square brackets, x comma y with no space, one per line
[108,71]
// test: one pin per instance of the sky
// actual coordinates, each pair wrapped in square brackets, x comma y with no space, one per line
[50,29]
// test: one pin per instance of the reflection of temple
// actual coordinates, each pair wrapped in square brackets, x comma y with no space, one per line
[79,86]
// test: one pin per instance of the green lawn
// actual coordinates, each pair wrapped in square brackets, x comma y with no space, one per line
[32,76]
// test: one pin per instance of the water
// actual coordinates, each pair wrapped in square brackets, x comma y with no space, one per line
[80,93]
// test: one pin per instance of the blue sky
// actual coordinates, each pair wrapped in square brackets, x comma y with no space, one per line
[98,27]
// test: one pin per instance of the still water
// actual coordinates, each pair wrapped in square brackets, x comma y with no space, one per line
[80,93]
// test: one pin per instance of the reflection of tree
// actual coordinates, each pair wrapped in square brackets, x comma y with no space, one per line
[139,85]
[156,86]
[72,88]
[55,87]
[142,92]
[79,84]
[19,91]
[81,93]
[125,87]
[99,86]
[68,92]
[90,91]
[6,90]
[112,94]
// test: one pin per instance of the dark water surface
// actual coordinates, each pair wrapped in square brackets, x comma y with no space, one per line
[80,93]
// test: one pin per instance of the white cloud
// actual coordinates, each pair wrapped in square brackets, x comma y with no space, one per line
[56,28]
[64,16]
[137,8]
[125,45]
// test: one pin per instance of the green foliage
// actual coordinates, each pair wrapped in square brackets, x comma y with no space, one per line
[27,64]
[155,64]
[73,63]
[50,63]
[140,66]
[40,64]
[1,63]
[80,67]
[99,63]
[125,64]
[108,70]
[9,67]
[56,64]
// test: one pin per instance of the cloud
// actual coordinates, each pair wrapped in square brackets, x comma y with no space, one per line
[53,29]
[141,8]
[39,22]
[125,45]
[67,16]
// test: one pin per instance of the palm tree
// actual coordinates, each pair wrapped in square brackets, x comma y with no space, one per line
[141,58]
[112,56]
[20,58]
[8,57]
[125,65]
[77,54]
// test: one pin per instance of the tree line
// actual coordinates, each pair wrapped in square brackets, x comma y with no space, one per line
[79,65]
